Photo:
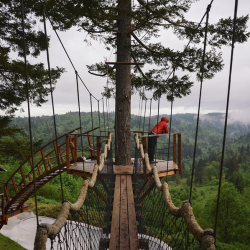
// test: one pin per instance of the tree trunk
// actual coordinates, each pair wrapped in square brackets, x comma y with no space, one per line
[123,84]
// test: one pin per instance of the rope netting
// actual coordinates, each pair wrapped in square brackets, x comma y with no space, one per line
[79,225]
[164,226]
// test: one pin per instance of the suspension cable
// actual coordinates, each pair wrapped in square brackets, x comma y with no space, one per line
[28,103]
[52,100]
[67,53]
[140,114]
[79,109]
[150,107]
[92,121]
[157,127]
[170,127]
[144,113]
[103,114]
[198,116]
[138,117]
[99,118]
[226,117]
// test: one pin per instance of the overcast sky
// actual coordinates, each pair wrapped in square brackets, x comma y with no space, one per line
[214,91]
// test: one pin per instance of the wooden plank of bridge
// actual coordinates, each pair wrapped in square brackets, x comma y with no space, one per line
[134,242]
[124,218]
[115,224]
[124,234]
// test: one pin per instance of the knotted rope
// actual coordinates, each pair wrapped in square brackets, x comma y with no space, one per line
[205,237]
[45,230]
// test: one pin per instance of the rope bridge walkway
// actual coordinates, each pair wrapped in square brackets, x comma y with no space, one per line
[119,207]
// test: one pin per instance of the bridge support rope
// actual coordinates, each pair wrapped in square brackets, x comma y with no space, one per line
[205,237]
[45,231]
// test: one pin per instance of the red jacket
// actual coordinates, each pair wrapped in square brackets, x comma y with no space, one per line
[161,127]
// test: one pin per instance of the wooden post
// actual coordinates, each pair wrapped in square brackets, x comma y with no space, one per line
[91,146]
[30,178]
[3,211]
[44,160]
[23,176]
[32,166]
[49,161]
[179,152]
[144,143]
[61,154]
[56,153]
[75,151]
[6,190]
[174,148]
[71,146]
[14,184]
[39,169]
[98,141]
[67,151]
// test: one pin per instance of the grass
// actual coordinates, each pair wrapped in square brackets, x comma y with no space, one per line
[6,243]
[49,210]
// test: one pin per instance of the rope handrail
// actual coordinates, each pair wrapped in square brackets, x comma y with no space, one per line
[45,230]
[205,237]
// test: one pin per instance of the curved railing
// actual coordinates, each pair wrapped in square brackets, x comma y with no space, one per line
[51,230]
[48,161]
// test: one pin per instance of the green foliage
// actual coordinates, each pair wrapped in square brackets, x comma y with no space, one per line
[199,172]
[7,243]
[14,141]
[44,209]
[233,217]
[12,71]
[17,146]
[99,20]
[232,246]
[71,188]
[203,196]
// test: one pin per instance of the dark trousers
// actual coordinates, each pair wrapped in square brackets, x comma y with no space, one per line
[152,140]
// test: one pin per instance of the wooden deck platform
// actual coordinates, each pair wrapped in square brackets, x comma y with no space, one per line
[164,168]
[79,168]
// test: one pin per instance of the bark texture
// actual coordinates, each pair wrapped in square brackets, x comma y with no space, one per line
[123,84]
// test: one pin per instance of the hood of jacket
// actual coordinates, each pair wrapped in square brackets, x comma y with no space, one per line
[164,119]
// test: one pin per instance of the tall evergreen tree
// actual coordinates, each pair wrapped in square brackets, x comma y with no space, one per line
[200,172]
[115,23]
[12,68]
[233,167]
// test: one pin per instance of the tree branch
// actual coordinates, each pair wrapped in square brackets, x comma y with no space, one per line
[147,48]
[138,67]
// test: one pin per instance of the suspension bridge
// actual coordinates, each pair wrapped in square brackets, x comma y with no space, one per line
[119,206]
[122,196]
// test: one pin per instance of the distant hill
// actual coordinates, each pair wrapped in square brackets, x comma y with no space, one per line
[210,132]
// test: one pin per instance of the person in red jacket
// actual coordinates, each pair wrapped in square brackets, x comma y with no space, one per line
[160,128]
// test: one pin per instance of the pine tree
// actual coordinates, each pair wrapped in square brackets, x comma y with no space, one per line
[199,172]
[115,23]
[12,69]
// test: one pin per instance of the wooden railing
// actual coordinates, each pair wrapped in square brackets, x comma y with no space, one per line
[176,145]
[51,157]
[43,162]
